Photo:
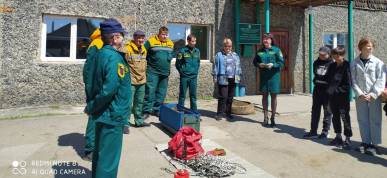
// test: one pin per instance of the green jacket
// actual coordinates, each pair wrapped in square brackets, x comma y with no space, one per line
[111,88]
[88,71]
[159,55]
[188,62]
[270,78]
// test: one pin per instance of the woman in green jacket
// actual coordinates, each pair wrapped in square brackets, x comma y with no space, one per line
[269,60]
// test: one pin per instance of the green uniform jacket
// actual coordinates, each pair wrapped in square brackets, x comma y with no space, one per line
[111,88]
[88,71]
[159,55]
[188,62]
[270,79]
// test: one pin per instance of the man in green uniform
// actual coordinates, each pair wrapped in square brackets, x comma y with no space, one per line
[188,63]
[136,58]
[160,52]
[110,105]
[88,72]
[269,60]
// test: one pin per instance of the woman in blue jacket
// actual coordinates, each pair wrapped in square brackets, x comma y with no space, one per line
[226,73]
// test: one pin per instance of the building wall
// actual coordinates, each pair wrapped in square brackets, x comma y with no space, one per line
[288,18]
[335,19]
[26,80]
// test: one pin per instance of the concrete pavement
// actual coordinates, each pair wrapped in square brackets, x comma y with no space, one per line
[50,137]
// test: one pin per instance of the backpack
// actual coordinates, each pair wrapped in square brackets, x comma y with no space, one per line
[185,143]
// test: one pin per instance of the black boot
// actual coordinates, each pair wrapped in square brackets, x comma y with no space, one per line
[272,122]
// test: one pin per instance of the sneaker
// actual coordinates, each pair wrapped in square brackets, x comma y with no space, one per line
[362,148]
[323,135]
[272,122]
[218,117]
[230,117]
[310,135]
[347,144]
[126,130]
[88,156]
[337,141]
[370,150]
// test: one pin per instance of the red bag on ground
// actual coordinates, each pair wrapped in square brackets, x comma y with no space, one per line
[185,143]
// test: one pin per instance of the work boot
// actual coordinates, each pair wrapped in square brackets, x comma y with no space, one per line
[146,115]
[88,156]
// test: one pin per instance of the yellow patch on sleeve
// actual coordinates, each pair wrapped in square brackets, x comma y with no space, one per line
[179,56]
[121,70]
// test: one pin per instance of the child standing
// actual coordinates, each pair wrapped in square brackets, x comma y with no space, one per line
[339,78]
[320,96]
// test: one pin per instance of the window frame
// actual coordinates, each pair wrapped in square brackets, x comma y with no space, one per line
[335,40]
[73,39]
[188,31]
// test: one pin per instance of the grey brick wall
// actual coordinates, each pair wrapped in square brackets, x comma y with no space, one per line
[25,80]
[334,19]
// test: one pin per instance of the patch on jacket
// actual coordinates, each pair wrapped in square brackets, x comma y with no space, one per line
[122,70]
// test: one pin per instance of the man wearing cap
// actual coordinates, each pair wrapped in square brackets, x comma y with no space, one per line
[188,63]
[269,60]
[320,96]
[136,58]
[159,55]
[88,72]
[111,100]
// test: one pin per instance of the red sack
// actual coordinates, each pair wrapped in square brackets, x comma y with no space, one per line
[185,143]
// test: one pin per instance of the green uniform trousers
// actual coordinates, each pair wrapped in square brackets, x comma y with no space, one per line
[156,90]
[107,153]
[90,135]
[138,94]
[191,84]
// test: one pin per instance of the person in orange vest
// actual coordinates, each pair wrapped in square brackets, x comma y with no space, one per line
[88,72]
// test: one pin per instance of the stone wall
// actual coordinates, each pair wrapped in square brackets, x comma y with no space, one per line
[25,80]
[335,19]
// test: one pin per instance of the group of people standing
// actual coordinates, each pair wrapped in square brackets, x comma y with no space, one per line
[132,78]
[334,78]
[129,78]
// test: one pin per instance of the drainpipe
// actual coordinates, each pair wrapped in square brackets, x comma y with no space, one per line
[310,49]
[350,37]
[236,23]
[267,16]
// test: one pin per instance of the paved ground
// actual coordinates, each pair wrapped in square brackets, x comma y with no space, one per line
[44,135]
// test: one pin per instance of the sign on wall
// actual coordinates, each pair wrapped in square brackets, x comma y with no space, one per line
[249,33]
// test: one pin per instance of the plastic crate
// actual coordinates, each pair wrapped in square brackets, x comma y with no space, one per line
[174,117]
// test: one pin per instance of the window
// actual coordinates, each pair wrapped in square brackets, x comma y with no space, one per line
[334,40]
[66,38]
[178,34]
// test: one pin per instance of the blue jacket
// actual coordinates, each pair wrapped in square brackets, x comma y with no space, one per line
[219,68]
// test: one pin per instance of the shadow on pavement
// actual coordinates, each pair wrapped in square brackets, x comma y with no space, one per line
[71,170]
[299,132]
[162,128]
[76,140]
[237,118]
[363,157]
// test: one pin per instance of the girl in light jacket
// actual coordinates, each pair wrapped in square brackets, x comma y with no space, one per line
[368,80]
